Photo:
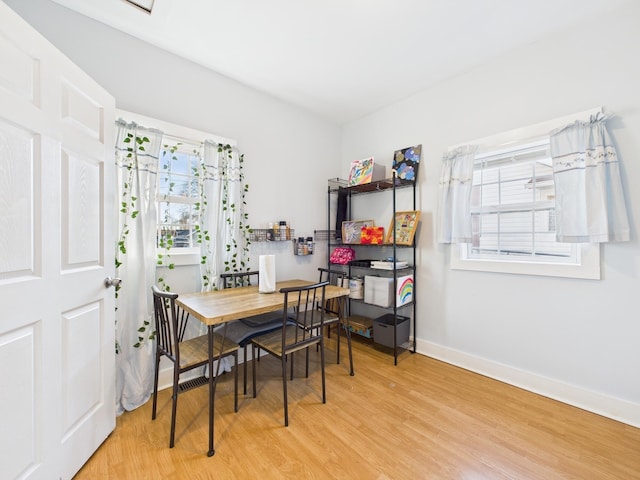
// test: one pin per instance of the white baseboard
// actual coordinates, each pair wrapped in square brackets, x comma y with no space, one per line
[607,406]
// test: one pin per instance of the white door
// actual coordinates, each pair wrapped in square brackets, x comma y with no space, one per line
[57,230]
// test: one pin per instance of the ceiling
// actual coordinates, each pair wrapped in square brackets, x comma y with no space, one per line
[342,59]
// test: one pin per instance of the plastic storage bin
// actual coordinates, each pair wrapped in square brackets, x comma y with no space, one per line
[379,290]
[383,330]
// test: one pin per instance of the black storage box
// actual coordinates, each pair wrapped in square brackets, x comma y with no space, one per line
[383,330]
[361,263]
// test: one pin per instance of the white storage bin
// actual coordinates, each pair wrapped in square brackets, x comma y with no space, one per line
[378,291]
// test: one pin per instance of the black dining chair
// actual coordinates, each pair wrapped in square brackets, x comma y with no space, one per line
[243,330]
[186,355]
[335,314]
[240,279]
[305,333]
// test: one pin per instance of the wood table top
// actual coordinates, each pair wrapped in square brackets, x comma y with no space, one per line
[220,306]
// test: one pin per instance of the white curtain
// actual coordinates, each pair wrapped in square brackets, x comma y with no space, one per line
[454,217]
[222,219]
[137,151]
[589,198]
[222,214]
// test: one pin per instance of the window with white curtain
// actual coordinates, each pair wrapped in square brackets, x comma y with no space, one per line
[512,211]
[178,193]
[513,208]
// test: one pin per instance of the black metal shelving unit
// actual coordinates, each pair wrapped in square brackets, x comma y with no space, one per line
[390,186]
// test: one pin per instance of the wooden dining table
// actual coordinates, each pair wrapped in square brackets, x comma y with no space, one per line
[222,306]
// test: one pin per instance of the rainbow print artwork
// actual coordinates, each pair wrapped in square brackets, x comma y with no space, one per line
[404,294]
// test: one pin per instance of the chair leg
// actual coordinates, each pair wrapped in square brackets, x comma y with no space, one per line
[155,387]
[324,392]
[174,407]
[246,365]
[235,381]
[284,388]
[338,355]
[253,369]
[291,361]
[347,332]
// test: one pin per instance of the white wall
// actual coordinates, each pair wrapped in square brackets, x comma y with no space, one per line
[289,153]
[576,340]
[580,343]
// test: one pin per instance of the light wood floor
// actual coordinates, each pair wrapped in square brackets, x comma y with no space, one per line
[420,419]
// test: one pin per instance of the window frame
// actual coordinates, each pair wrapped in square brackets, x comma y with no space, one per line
[588,255]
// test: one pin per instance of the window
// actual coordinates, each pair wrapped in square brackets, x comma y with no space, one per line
[513,208]
[512,212]
[178,193]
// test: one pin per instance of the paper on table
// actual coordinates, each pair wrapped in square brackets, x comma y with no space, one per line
[267,274]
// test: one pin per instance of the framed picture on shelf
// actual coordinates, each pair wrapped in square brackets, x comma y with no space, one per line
[372,236]
[406,162]
[351,230]
[405,224]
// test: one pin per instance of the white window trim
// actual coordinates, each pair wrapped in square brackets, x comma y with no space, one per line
[589,268]
[174,130]
[589,254]
[179,256]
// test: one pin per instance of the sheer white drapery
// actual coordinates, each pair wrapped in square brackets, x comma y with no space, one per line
[590,205]
[222,218]
[222,215]
[454,217]
[136,152]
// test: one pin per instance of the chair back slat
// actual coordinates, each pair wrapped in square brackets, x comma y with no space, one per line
[239,279]
[331,276]
[334,277]
[182,317]
[170,322]
[308,316]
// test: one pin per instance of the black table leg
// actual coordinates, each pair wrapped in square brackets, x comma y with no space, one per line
[212,390]
[213,380]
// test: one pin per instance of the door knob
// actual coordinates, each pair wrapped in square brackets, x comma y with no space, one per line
[112,282]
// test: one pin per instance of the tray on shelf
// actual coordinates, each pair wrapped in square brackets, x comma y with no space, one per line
[361,263]
[375,186]
[361,325]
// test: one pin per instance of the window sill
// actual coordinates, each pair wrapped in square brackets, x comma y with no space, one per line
[587,268]
[180,257]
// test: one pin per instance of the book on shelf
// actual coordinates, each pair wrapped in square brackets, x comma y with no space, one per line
[386,265]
